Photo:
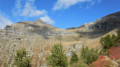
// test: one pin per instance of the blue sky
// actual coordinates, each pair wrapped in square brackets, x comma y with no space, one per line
[59,13]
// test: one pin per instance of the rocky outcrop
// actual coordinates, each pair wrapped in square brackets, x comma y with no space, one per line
[100,26]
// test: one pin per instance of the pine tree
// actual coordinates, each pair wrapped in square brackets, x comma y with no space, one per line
[21,59]
[57,57]
[107,41]
[89,55]
[74,58]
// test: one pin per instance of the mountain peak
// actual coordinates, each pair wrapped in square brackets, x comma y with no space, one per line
[39,21]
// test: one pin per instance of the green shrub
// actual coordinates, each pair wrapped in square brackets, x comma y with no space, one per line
[103,52]
[80,63]
[89,55]
[74,58]
[107,41]
[21,59]
[57,57]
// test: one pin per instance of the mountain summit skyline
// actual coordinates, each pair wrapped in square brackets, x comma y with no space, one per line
[59,13]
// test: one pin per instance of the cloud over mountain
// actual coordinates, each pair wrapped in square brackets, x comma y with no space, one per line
[27,9]
[47,19]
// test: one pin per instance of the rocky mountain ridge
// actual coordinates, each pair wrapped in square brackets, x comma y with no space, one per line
[99,27]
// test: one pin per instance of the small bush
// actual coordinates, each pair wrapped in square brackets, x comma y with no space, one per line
[104,52]
[80,63]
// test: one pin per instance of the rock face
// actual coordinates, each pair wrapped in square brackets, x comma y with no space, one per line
[100,26]
[38,37]
[38,27]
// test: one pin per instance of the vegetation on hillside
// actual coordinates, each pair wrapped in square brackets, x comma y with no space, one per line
[57,57]
[89,55]
[74,58]
[21,59]
[103,61]
[111,45]
[109,41]
[80,63]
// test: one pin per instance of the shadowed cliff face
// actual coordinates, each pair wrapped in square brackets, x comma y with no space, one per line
[38,27]
[38,37]
[99,27]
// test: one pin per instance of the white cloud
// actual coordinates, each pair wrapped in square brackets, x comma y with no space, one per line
[4,21]
[28,9]
[47,19]
[31,11]
[17,9]
[63,4]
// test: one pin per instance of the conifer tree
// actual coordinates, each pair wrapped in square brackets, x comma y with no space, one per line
[57,57]
[89,55]
[21,59]
[74,58]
